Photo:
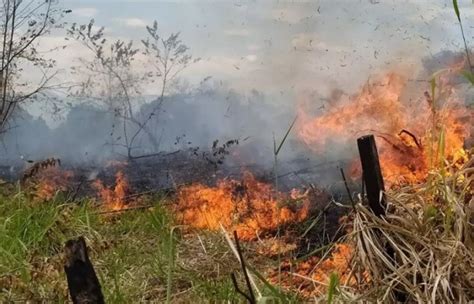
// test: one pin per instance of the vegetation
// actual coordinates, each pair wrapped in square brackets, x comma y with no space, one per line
[142,255]
[131,254]
[120,89]
[421,252]
[139,255]
[430,229]
[22,24]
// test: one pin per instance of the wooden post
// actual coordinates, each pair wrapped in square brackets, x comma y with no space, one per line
[84,287]
[373,180]
[372,175]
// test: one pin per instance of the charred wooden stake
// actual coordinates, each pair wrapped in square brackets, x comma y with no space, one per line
[373,180]
[372,174]
[82,281]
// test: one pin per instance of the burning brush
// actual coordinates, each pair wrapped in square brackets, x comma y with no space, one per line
[37,167]
[430,231]
[46,178]
[250,207]
[115,197]
[413,139]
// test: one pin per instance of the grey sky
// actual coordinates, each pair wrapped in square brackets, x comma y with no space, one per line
[283,46]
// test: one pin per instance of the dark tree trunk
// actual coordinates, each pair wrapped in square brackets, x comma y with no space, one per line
[84,287]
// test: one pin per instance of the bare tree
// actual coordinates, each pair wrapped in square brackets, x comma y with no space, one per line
[166,58]
[22,24]
[114,80]
[110,78]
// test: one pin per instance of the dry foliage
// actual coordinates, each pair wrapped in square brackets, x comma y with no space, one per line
[430,229]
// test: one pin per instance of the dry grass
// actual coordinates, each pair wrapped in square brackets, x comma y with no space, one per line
[429,228]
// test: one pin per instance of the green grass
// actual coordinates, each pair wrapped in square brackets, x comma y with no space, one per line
[139,256]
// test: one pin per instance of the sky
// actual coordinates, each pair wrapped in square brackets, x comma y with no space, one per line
[285,47]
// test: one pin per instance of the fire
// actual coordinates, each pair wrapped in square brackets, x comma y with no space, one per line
[51,180]
[409,136]
[114,198]
[311,277]
[338,262]
[249,207]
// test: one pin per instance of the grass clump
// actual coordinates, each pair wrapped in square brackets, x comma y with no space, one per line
[429,228]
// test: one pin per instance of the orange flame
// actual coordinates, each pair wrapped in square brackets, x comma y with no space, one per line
[338,262]
[51,180]
[114,198]
[311,277]
[249,207]
[408,136]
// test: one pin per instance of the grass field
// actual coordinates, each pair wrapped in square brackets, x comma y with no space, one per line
[145,255]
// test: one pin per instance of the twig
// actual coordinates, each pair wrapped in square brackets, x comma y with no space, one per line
[347,188]
[236,254]
[125,209]
[251,296]
[76,191]
[139,194]
[310,168]
[237,288]
[166,191]
[154,154]
[412,136]
[316,220]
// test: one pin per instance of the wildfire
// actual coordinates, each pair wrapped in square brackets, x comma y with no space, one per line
[338,262]
[50,180]
[311,277]
[411,138]
[114,198]
[249,207]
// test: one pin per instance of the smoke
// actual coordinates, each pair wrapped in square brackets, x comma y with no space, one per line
[89,135]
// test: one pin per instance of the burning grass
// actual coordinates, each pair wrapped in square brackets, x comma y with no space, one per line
[407,133]
[429,228]
[151,254]
[114,197]
[250,207]
[48,181]
[142,255]
[310,277]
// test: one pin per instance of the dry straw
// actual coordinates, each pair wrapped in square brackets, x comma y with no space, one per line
[429,229]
